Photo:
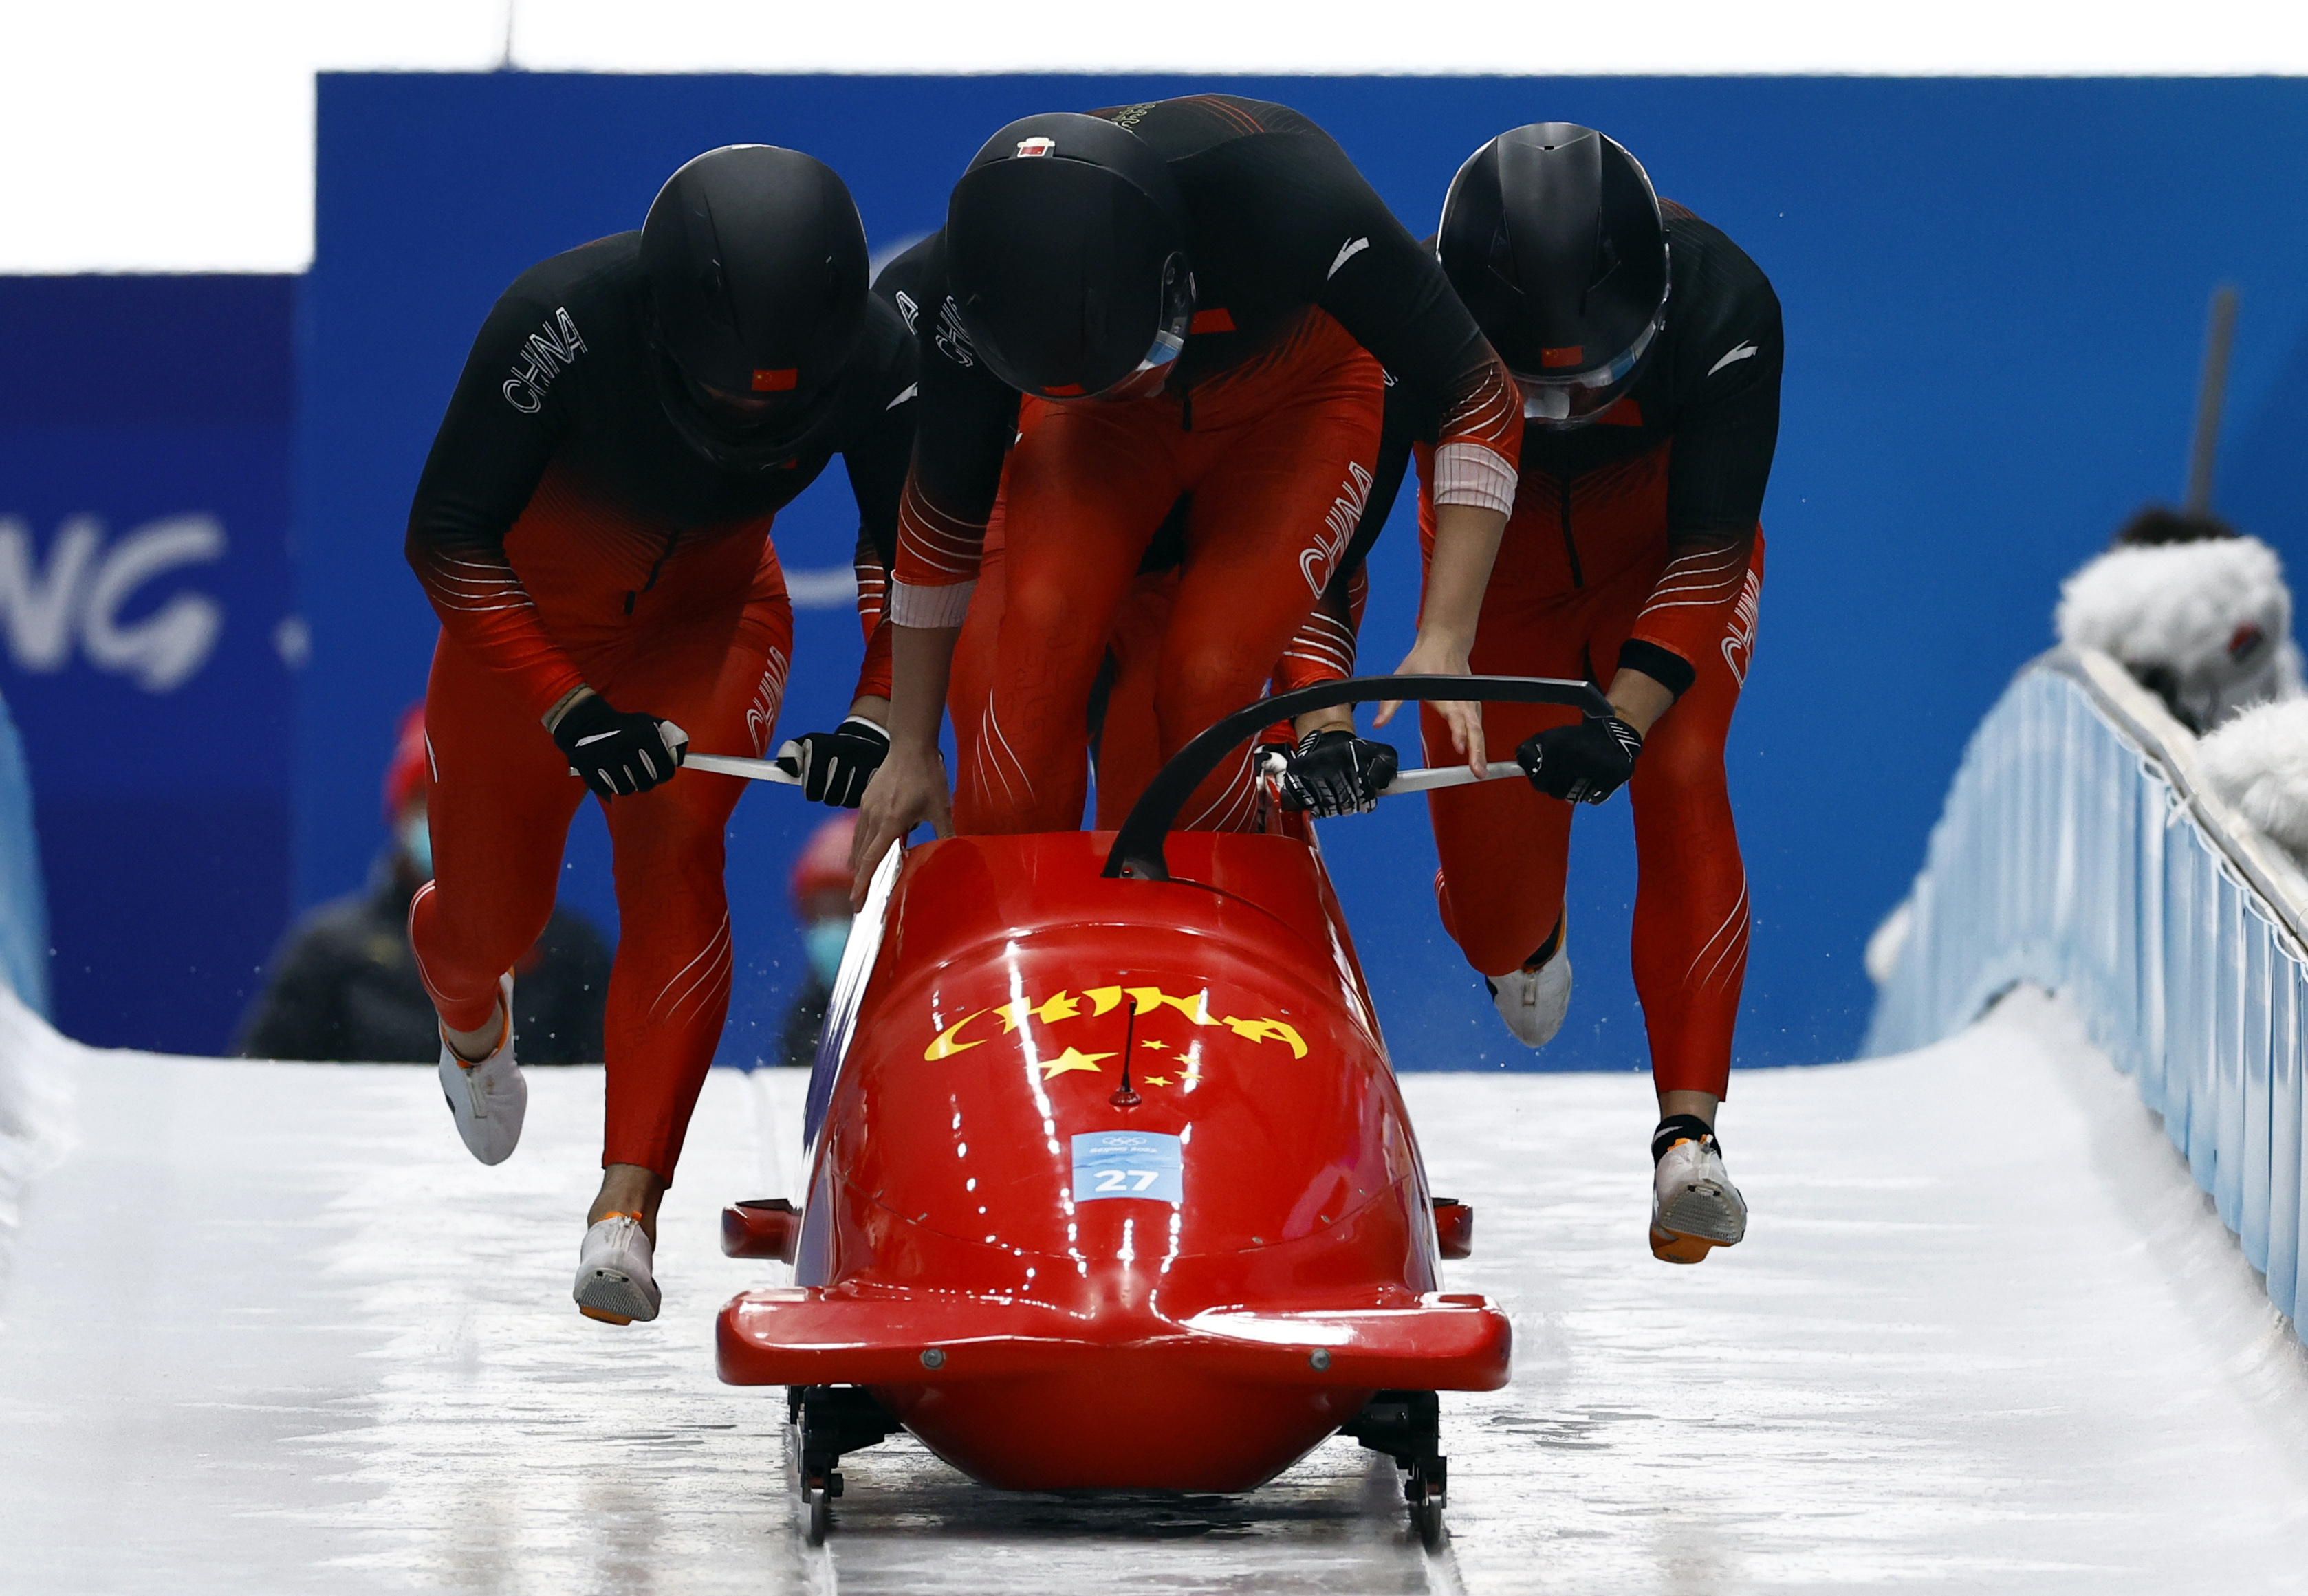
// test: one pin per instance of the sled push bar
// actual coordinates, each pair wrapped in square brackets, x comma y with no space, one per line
[1404,781]
[1137,852]
[751,770]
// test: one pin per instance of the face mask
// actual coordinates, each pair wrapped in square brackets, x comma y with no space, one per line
[824,939]
[416,843]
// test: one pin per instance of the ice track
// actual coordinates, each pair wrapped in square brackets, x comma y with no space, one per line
[268,1329]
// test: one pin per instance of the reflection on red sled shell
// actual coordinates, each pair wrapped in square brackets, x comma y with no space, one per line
[761,1228]
[1056,1283]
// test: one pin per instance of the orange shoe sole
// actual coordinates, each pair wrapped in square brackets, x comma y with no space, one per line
[1673,1247]
[607,1318]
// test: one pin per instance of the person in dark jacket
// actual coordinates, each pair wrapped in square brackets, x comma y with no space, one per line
[821,901]
[344,984]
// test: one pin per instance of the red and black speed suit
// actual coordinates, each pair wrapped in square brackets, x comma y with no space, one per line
[1304,282]
[1124,744]
[567,536]
[1635,542]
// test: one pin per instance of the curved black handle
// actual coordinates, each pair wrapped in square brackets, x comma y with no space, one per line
[1137,850]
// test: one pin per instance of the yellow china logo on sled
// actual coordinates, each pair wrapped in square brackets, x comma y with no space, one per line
[1105,999]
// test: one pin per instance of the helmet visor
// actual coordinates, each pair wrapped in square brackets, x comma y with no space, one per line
[732,431]
[1153,370]
[1553,399]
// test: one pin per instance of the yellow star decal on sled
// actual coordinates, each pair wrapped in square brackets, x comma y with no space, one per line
[1157,1046]
[1158,1080]
[1073,1059]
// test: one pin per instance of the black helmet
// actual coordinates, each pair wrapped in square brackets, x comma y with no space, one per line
[1552,236]
[756,267]
[1066,253]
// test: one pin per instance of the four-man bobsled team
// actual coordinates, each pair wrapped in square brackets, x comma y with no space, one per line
[1121,436]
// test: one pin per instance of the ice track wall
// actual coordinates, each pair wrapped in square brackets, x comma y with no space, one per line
[24,900]
[2079,852]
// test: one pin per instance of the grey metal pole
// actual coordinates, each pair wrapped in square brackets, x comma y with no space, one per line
[2219,336]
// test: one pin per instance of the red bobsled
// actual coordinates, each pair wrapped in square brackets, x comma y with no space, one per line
[1111,1185]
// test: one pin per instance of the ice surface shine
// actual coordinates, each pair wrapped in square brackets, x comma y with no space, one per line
[271,1329]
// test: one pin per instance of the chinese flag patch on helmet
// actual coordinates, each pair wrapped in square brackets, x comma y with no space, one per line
[775,381]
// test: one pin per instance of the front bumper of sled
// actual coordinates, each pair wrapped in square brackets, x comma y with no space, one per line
[798,1336]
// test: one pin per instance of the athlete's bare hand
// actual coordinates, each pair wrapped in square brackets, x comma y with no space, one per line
[907,791]
[1433,657]
[1457,569]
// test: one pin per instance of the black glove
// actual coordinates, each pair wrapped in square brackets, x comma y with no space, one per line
[835,765]
[616,754]
[1584,763]
[1336,773]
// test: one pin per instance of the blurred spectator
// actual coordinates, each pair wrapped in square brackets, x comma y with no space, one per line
[2153,525]
[2200,616]
[2258,765]
[821,899]
[344,985]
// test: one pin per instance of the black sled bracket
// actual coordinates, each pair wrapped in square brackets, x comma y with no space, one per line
[1407,1427]
[834,1420]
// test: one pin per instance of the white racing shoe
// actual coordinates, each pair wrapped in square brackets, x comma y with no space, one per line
[488,1099]
[1533,1000]
[615,1282]
[1694,1206]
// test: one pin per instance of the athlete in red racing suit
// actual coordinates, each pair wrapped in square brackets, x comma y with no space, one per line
[1195,296]
[1633,558]
[592,527]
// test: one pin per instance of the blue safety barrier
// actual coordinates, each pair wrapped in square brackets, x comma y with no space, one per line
[24,902]
[2078,851]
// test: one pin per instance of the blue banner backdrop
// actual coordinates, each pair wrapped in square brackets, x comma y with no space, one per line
[1995,294]
[146,604]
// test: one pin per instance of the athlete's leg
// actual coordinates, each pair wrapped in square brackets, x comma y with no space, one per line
[1130,743]
[722,680]
[1501,850]
[1083,491]
[970,686]
[1690,954]
[1691,912]
[1128,750]
[1504,847]
[499,810]
[1272,514]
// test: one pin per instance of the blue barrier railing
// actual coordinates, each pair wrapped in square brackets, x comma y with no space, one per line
[24,903]
[2078,851]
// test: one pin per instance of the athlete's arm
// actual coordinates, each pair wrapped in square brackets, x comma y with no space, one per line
[872,564]
[1323,650]
[1466,543]
[1391,292]
[876,461]
[1326,648]
[909,789]
[964,419]
[505,423]
[1392,296]
[877,457]
[1727,429]
[836,766]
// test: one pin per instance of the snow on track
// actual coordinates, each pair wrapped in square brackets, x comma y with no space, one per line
[268,1328]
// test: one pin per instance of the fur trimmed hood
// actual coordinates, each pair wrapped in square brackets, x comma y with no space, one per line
[2206,625]
[2258,765]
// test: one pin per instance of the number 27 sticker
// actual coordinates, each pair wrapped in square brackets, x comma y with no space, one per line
[1128,1163]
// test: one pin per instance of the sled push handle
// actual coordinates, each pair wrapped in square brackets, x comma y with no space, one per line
[1137,852]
